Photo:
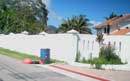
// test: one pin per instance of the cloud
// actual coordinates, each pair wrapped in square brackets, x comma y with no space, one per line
[52,13]
[95,23]
[47,3]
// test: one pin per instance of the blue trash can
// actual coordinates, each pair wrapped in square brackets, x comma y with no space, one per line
[45,55]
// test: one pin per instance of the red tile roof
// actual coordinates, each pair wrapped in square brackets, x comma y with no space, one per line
[121,32]
[113,20]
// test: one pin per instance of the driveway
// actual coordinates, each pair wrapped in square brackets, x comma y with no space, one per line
[14,70]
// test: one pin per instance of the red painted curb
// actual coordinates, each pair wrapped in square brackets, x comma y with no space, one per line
[83,74]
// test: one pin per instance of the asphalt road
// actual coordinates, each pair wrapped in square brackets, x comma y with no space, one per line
[15,70]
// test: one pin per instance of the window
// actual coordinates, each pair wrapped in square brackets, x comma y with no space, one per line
[108,29]
[127,27]
[105,30]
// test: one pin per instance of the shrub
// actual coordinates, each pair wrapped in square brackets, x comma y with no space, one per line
[109,55]
[84,60]
[98,66]
[98,62]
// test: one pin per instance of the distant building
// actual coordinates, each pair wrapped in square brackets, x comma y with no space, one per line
[119,25]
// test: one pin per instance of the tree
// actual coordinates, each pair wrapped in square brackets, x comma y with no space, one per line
[33,11]
[8,20]
[99,38]
[112,15]
[79,23]
[20,15]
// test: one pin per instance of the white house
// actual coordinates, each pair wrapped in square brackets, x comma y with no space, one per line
[119,25]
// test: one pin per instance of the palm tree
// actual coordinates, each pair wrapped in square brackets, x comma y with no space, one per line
[79,23]
[112,15]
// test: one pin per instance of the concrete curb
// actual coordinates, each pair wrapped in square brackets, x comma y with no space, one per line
[79,73]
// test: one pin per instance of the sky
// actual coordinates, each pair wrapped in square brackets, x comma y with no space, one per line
[95,10]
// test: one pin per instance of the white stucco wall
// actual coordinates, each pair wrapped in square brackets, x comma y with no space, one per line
[122,46]
[63,46]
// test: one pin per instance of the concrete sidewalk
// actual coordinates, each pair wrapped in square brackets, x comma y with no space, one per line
[69,74]
[101,75]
